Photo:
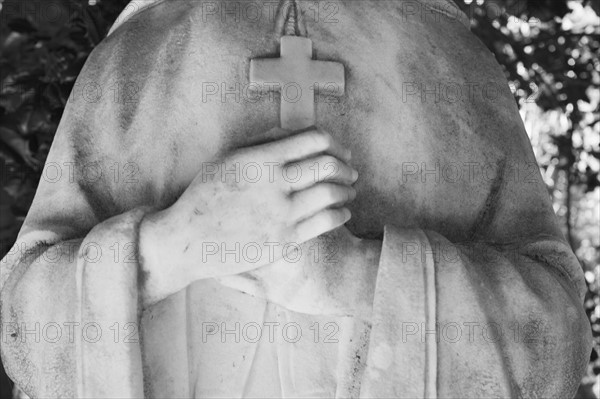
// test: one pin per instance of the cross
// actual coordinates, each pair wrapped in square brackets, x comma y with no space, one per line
[297,76]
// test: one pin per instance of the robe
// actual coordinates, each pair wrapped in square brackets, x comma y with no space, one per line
[477,292]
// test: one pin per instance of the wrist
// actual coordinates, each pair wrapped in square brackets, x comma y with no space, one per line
[157,280]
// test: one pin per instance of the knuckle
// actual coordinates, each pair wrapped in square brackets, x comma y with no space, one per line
[329,192]
[328,160]
[286,179]
[291,202]
[279,168]
[291,167]
[327,139]
[279,173]
[332,217]
[284,191]
[321,139]
[347,194]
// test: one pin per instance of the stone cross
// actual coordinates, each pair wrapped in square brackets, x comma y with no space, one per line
[298,77]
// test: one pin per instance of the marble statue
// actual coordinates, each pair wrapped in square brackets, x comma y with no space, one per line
[327,199]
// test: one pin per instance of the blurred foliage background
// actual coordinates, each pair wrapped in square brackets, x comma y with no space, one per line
[549,50]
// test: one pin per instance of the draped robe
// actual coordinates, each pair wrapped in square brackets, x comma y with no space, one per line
[477,293]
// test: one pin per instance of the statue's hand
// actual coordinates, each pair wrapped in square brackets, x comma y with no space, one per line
[228,222]
[333,274]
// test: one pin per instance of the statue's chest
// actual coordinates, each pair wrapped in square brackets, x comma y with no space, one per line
[395,136]
[366,118]
[393,140]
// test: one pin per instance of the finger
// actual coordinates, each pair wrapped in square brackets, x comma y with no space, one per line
[304,145]
[304,174]
[321,223]
[311,201]
[269,136]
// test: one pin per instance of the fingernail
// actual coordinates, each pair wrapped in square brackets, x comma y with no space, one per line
[354,174]
[347,213]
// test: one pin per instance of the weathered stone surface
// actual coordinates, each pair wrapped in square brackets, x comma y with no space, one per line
[489,233]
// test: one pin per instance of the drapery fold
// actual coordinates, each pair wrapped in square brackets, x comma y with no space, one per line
[402,358]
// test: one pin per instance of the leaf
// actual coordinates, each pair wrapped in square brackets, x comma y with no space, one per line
[21,25]
[7,218]
[21,146]
[95,27]
[595,4]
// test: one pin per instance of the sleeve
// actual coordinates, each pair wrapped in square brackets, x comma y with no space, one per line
[499,315]
[69,287]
